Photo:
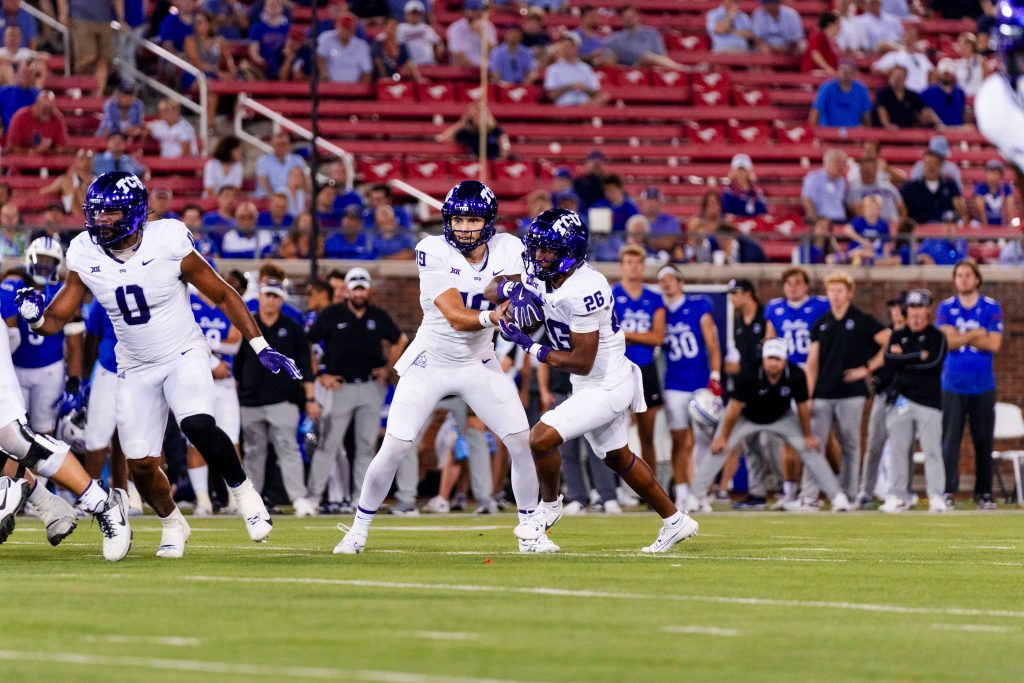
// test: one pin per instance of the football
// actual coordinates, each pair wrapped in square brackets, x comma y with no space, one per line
[528,330]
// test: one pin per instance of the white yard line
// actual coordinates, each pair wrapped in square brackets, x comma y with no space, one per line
[384,527]
[973,628]
[702,631]
[172,641]
[238,669]
[440,635]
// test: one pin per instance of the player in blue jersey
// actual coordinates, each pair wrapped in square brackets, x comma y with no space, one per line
[692,361]
[100,341]
[791,317]
[641,313]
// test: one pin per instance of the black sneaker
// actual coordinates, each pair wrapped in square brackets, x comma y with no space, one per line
[751,503]
[985,502]
[950,500]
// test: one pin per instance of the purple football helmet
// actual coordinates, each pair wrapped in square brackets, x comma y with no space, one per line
[111,192]
[469,198]
[561,232]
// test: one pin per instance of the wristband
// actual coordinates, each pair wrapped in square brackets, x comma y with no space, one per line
[258,344]
[485,320]
[539,351]
[716,376]
[37,324]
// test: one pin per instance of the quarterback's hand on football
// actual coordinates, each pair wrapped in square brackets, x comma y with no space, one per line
[30,304]
[276,362]
[718,444]
[525,307]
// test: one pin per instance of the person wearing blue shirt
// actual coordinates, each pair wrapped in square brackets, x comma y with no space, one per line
[511,61]
[693,359]
[843,101]
[100,340]
[741,196]
[993,199]
[267,38]
[351,242]
[869,233]
[641,314]
[729,28]
[616,199]
[20,94]
[175,28]
[23,20]
[947,99]
[943,251]
[973,325]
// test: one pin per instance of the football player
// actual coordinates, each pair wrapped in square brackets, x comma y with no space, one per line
[453,353]
[999,104]
[575,302]
[692,359]
[139,271]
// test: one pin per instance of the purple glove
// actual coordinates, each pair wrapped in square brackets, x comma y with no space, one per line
[515,335]
[30,304]
[525,308]
[276,362]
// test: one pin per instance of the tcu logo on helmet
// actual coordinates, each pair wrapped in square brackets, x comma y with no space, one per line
[128,182]
[486,193]
[568,221]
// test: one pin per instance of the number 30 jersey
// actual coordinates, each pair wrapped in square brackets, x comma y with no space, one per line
[687,367]
[146,299]
[584,304]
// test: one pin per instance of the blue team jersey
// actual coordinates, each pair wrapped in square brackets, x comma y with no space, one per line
[212,321]
[793,323]
[8,290]
[287,310]
[97,323]
[37,351]
[968,370]
[637,315]
[686,356]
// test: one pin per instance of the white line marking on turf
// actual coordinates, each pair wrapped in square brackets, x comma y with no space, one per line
[702,631]
[384,527]
[172,641]
[443,635]
[973,628]
[567,593]
[815,550]
[231,668]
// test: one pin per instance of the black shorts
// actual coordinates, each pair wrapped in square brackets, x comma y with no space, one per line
[652,385]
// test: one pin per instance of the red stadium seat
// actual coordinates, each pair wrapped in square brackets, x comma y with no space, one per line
[391,91]
[634,78]
[711,98]
[687,43]
[436,92]
[466,169]
[706,134]
[472,93]
[661,78]
[748,133]
[796,134]
[514,170]
[427,169]
[380,170]
[519,94]
[750,96]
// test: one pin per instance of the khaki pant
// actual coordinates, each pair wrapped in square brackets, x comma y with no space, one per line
[91,41]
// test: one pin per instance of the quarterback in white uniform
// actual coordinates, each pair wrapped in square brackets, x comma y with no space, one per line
[139,272]
[453,353]
[575,303]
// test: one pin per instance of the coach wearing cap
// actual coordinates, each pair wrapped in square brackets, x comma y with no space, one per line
[915,353]
[762,401]
[356,372]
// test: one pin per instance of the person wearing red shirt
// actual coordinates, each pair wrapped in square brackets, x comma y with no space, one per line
[38,128]
[821,54]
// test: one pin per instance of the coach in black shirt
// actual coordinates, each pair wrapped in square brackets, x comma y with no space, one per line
[748,328]
[763,402]
[355,373]
[845,349]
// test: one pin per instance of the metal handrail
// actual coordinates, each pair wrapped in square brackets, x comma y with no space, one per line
[415,192]
[65,34]
[201,109]
[279,121]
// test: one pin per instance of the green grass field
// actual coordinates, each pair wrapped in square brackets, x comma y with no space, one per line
[757,597]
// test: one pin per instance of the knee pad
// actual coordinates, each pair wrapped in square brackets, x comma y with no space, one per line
[42,454]
[199,429]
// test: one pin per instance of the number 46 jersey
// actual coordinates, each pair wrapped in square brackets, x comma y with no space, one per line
[146,299]
[584,304]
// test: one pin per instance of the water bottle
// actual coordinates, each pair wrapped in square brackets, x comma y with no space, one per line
[310,433]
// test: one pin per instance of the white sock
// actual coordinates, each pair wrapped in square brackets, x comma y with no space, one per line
[674,519]
[173,519]
[200,478]
[525,487]
[93,499]
[789,488]
[39,494]
[381,473]
[682,491]
[363,520]
[242,489]
[132,491]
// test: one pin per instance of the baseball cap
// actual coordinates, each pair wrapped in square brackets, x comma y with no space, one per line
[352,210]
[472,4]
[775,348]
[126,87]
[946,66]
[414,6]
[919,297]
[741,285]
[939,145]
[900,299]
[563,172]
[669,270]
[571,37]
[275,287]
[650,193]
[568,196]
[356,278]
[994,165]
[596,155]
[742,161]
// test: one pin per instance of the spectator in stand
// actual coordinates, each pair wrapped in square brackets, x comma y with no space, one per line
[824,190]
[947,99]
[230,16]
[39,129]
[373,10]
[940,146]
[590,186]
[5,193]
[741,197]
[537,202]
[324,207]
[591,39]
[338,175]
[778,29]
[867,180]
[272,168]
[464,36]
[466,132]
[896,106]
[178,25]
[569,81]
[987,27]
[665,231]
[53,226]
[297,243]
[969,67]
[22,93]
[868,234]
[843,101]
[266,41]
[425,46]
[561,182]
[911,55]
[730,246]
[637,45]
[948,250]
[730,29]
[116,159]
[704,224]
[296,57]
[351,242]
[820,246]
[297,191]
[176,136]
[342,56]
[822,53]
[160,204]
[13,55]
[12,14]
[512,63]
[224,166]
[244,239]
[391,59]
[123,112]
[133,29]
[205,50]
[616,199]
[276,218]
[92,38]
[609,248]
[994,202]
[71,185]
[390,242]
[13,235]
[534,36]
[876,31]
[933,198]
[192,216]
[224,216]
[380,195]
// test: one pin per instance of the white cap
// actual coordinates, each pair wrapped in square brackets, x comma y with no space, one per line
[669,270]
[742,161]
[275,287]
[357,277]
[946,66]
[415,6]
[775,348]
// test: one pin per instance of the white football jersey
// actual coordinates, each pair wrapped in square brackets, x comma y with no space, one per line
[145,297]
[443,267]
[1000,118]
[584,304]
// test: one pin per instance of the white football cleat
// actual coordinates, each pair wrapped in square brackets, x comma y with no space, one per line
[694,505]
[937,504]
[113,521]
[58,515]
[668,536]
[303,507]
[612,507]
[204,506]
[351,544]
[253,511]
[173,540]
[438,506]
[894,505]
[541,545]
[841,503]
[573,508]
[537,522]
[13,494]
[803,505]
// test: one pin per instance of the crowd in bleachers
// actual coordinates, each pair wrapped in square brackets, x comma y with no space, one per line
[561,53]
